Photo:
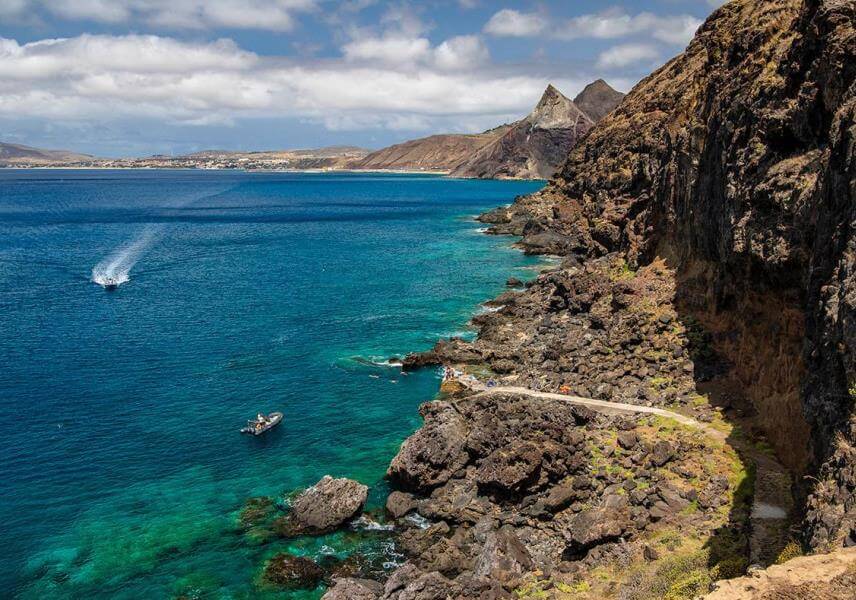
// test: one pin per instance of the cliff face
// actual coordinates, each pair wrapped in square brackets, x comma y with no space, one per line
[534,147]
[736,163]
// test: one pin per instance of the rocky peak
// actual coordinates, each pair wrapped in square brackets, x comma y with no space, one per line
[555,110]
[535,146]
[598,99]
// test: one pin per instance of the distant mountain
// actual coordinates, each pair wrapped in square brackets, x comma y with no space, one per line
[534,147]
[17,154]
[351,152]
[598,99]
[435,153]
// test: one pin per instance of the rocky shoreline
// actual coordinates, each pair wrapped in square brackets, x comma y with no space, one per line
[706,243]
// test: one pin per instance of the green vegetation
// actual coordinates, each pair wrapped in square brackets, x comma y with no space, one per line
[533,590]
[578,587]
[791,550]
[677,577]
[621,271]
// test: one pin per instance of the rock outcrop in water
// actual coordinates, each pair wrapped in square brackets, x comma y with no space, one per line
[325,507]
[706,232]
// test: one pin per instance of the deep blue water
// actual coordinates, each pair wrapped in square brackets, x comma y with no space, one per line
[122,470]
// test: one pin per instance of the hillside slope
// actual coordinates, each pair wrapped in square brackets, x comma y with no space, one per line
[16,154]
[434,153]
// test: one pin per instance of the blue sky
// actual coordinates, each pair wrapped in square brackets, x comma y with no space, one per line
[136,77]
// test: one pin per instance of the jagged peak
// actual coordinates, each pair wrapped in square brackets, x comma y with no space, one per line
[550,96]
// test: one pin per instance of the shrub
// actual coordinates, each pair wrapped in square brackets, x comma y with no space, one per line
[791,550]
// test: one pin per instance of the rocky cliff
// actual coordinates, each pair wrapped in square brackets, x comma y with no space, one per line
[534,147]
[705,230]
[735,163]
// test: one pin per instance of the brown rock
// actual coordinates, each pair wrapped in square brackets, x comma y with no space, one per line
[293,572]
[399,504]
[353,589]
[325,506]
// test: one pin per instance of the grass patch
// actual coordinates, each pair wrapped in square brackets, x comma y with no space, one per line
[533,590]
[578,587]
[621,271]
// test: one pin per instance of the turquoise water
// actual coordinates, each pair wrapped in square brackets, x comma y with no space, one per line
[123,472]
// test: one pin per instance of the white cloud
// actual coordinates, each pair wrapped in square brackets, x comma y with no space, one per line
[391,49]
[99,79]
[609,24]
[462,52]
[512,23]
[273,15]
[627,54]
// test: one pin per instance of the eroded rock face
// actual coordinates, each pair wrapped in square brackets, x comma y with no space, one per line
[434,453]
[326,506]
[706,232]
[535,483]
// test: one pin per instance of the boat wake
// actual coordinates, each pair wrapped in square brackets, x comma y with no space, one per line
[115,270]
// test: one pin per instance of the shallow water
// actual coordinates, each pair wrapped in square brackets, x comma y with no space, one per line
[123,472]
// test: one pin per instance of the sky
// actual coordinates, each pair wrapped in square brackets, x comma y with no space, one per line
[139,77]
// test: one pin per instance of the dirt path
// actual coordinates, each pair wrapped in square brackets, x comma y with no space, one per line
[607,407]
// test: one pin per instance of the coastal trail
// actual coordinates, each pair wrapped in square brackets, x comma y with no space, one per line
[607,407]
[772,502]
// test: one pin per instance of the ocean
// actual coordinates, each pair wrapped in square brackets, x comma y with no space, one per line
[123,472]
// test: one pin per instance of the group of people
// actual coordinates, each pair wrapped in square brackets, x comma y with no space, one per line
[452,374]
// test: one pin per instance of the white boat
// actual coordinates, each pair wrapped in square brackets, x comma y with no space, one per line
[262,423]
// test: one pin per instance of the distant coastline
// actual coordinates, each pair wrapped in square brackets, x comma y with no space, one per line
[435,173]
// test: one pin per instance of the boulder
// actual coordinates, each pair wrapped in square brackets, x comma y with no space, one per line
[503,558]
[293,572]
[513,282]
[511,468]
[591,528]
[662,453]
[628,439]
[326,506]
[354,589]
[429,586]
